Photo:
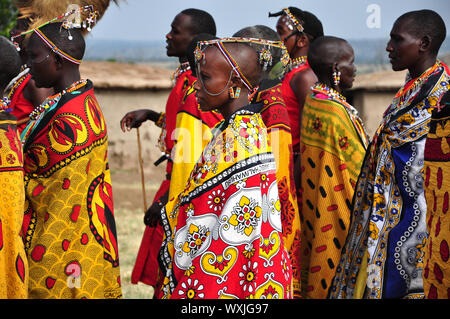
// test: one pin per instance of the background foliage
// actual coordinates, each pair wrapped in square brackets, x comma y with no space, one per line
[8,15]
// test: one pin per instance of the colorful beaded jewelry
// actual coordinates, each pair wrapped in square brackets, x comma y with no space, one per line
[4,104]
[183,67]
[265,56]
[293,20]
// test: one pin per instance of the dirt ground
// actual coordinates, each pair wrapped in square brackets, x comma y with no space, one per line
[126,175]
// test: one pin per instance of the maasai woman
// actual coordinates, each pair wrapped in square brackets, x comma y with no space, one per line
[436,275]
[69,227]
[383,254]
[333,145]
[275,117]
[13,260]
[297,29]
[224,232]
[185,26]
[22,91]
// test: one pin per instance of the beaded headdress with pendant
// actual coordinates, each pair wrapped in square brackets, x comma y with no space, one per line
[265,56]
[78,14]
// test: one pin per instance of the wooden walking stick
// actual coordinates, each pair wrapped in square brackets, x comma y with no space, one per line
[144,194]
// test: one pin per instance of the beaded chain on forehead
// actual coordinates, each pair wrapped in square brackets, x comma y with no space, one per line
[265,57]
[66,24]
[289,19]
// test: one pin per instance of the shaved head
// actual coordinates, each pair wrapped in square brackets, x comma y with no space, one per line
[324,52]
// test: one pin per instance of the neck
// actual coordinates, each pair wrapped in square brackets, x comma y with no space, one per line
[420,67]
[234,104]
[182,59]
[328,82]
[298,52]
[68,79]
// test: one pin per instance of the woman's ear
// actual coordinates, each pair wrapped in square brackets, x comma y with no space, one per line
[302,40]
[58,61]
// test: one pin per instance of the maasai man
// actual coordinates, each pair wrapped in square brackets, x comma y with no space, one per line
[185,26]
[436,275]
[275,117]
[13,260]
[22,91]
[193,126]
[332,149]
[69,227]
[383,254]
[297,29]
[224,232]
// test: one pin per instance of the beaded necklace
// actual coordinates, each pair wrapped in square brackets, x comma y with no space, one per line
[183,67]
[352,112]
[297,63]
[38,113]
[4,104]
[405,91]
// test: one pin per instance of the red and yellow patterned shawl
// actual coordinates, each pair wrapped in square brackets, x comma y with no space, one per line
[275,117]
[436,275]
[69,227]
[224,232]
[13,260]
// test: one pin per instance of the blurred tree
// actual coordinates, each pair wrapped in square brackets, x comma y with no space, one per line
[8,14]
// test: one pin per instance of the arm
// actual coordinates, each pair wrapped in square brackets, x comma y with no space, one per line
[301,85]
[134,119]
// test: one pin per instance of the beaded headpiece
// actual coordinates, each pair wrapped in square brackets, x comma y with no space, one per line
[290,20]
[70,20]
[265,56]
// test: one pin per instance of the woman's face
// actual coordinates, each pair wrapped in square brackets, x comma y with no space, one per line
[214,80]
[41,61]
[287,32]
[347,67]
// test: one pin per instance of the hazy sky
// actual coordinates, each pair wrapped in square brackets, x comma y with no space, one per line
[150,20]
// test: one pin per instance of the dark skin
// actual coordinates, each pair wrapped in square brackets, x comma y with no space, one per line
[31,92]
[177,40]
[48,69]
[407,51]
[345,65]
[214,77]
[297,45]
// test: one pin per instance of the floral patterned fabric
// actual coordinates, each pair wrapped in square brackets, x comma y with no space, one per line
[383,254]
[223,233]
[436,275]
[13,260]
[331,152]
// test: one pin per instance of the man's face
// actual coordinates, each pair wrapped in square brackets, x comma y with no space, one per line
[179,36]
[41,62]
[403,47]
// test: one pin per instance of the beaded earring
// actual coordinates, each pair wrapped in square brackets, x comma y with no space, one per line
[337,78]
[234,94]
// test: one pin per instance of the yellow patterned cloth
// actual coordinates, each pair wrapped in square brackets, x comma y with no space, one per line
[69,226]
[13,261]
[332,151]
[436,276]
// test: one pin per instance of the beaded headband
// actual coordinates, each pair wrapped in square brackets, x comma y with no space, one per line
[265,56]
[66,24]
[291,21]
